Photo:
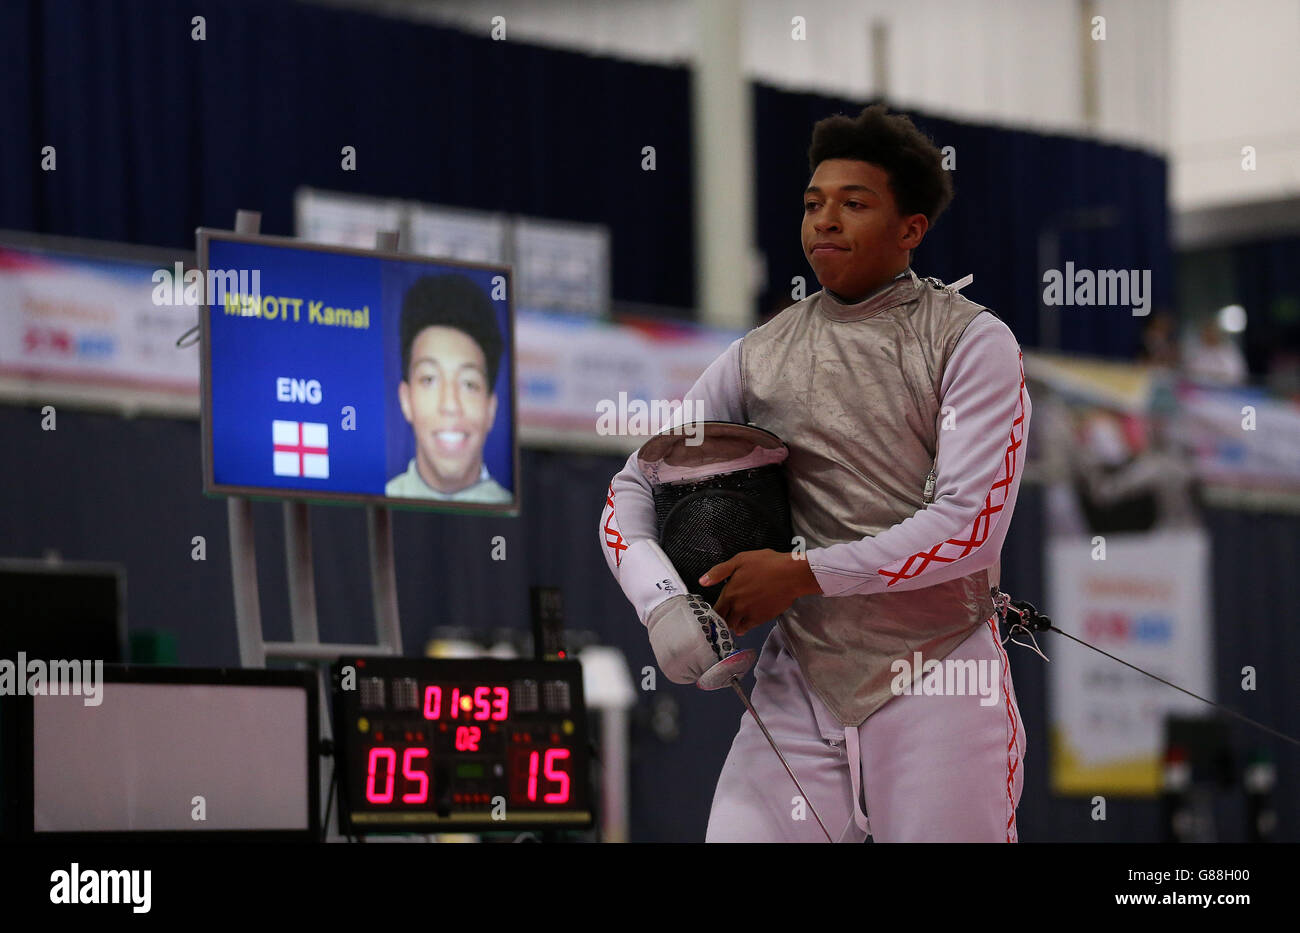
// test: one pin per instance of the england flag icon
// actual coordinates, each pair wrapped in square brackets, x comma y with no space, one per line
[301,449]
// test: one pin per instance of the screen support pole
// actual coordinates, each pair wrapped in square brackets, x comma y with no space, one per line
[243,552]
[306,644]
[300,572]
[379,525]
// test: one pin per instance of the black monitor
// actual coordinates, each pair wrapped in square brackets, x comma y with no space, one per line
[68,609]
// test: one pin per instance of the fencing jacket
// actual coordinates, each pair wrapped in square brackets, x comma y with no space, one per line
[907,418]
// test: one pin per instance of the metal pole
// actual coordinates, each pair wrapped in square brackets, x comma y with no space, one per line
[300,572]
[379,525]
[722,126]
[243,551]
[614,756]
[383,579]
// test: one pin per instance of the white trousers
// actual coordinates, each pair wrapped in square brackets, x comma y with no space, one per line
[928,768]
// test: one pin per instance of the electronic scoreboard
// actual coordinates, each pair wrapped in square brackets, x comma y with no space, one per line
[456,745]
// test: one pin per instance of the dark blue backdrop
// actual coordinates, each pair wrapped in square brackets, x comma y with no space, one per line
[156,133]
[1010,185]
[1264,281]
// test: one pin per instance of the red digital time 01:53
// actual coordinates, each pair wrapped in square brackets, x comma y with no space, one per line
[479,743]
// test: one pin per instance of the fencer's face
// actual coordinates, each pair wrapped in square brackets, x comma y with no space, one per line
[852,233]
[450,406]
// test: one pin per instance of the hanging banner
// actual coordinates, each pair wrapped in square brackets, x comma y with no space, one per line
[346,219]
[451,233]
[1144,598]
[90,322]
[561,266]
[1241,438]
[603,386]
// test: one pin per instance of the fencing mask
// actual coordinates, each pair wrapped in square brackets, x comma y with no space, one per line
[719,489]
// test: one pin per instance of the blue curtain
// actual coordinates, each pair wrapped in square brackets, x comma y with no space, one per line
[157,134]
[1010,185]
[1264,281]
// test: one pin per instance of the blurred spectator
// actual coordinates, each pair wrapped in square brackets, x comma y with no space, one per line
[1160,341]
[1132,472]
[1212,357]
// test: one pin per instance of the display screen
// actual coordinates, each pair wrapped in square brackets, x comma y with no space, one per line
[488,743]
[168,752]
[339,374]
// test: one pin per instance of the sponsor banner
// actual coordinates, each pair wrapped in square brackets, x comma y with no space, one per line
[346,219]
[1241,437]
[83,323]
[579,378]
[561,266]
[450,233]
[1119,386]
[91,322]
[1237,443]
[1147,602]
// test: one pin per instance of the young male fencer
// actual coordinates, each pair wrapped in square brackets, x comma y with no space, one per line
[904,408]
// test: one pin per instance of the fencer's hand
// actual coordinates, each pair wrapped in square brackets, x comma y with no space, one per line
[760,586]
[687,637]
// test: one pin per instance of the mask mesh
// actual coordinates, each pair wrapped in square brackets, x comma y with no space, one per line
[703,524]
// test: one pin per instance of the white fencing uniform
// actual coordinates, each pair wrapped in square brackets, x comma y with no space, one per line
[907,419]
[961,784]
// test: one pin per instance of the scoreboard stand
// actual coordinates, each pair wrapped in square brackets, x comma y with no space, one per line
[418,745]
[306,645]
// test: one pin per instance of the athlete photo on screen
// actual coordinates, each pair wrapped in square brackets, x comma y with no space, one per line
[451,353]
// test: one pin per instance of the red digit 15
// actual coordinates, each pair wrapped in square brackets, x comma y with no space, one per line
[551,773]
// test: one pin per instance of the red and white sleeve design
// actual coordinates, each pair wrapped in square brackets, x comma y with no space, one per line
[614,543]
[978,469]
[628,535]
[977,533]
